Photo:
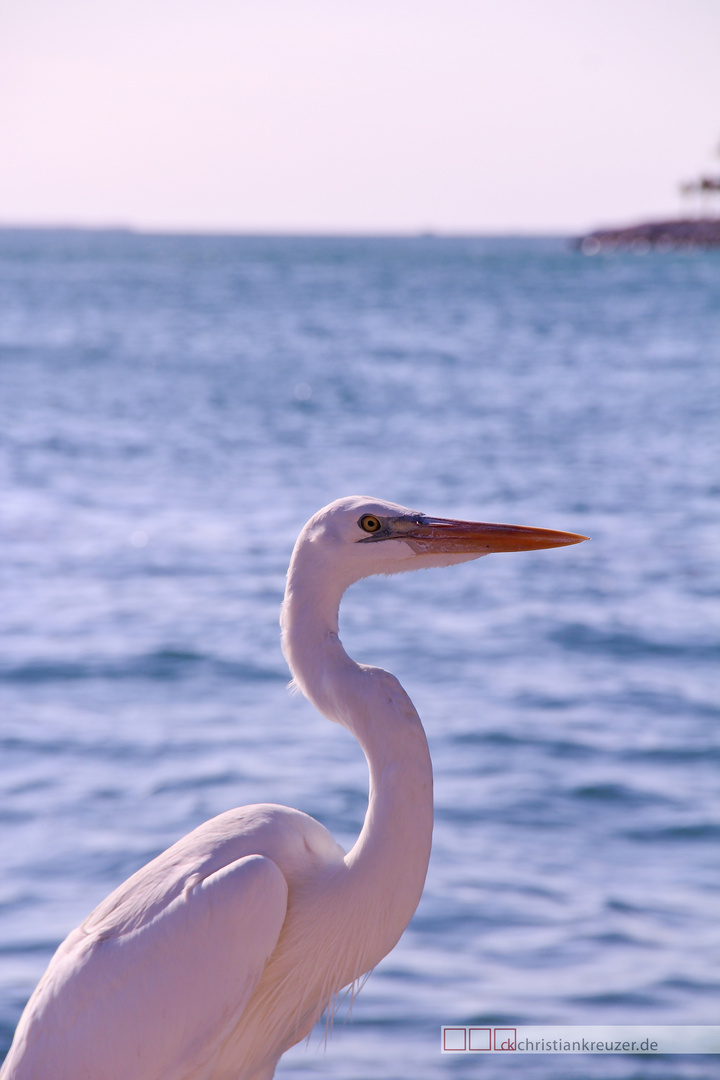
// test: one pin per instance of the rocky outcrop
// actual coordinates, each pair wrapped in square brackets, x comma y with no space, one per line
[681,234]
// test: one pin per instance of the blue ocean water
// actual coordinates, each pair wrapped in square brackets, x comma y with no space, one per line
[172,409]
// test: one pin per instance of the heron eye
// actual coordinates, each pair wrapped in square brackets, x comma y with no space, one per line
[369,523]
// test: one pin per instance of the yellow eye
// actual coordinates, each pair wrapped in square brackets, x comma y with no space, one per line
[369,523]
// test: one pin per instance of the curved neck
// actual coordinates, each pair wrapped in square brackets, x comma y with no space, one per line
[391,854]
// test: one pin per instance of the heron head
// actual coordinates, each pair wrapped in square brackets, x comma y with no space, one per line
[359,536]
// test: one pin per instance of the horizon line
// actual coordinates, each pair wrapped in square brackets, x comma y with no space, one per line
[297,232]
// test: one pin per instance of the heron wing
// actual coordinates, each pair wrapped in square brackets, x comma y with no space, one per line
[156,1002]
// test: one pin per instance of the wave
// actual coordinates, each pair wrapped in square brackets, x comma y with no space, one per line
[579,637]
[161,664]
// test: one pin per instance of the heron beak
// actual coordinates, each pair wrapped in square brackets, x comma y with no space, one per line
[436,535]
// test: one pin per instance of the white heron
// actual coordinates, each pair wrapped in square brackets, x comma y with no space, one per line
[221,953]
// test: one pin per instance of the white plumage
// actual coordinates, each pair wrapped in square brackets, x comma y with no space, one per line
[212,960]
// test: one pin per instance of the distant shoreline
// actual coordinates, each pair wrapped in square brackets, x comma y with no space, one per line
[680,234]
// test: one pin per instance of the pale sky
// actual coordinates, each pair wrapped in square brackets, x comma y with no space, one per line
[355,115]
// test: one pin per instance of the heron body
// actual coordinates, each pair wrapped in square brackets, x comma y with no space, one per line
[221,953]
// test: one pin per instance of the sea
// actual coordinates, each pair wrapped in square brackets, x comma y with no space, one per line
[174,408]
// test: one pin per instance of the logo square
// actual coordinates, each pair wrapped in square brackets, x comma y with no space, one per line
[480,1038]
[505,1038]
[454,1038]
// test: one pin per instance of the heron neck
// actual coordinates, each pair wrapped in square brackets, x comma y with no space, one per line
[338,687]
[393,849]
